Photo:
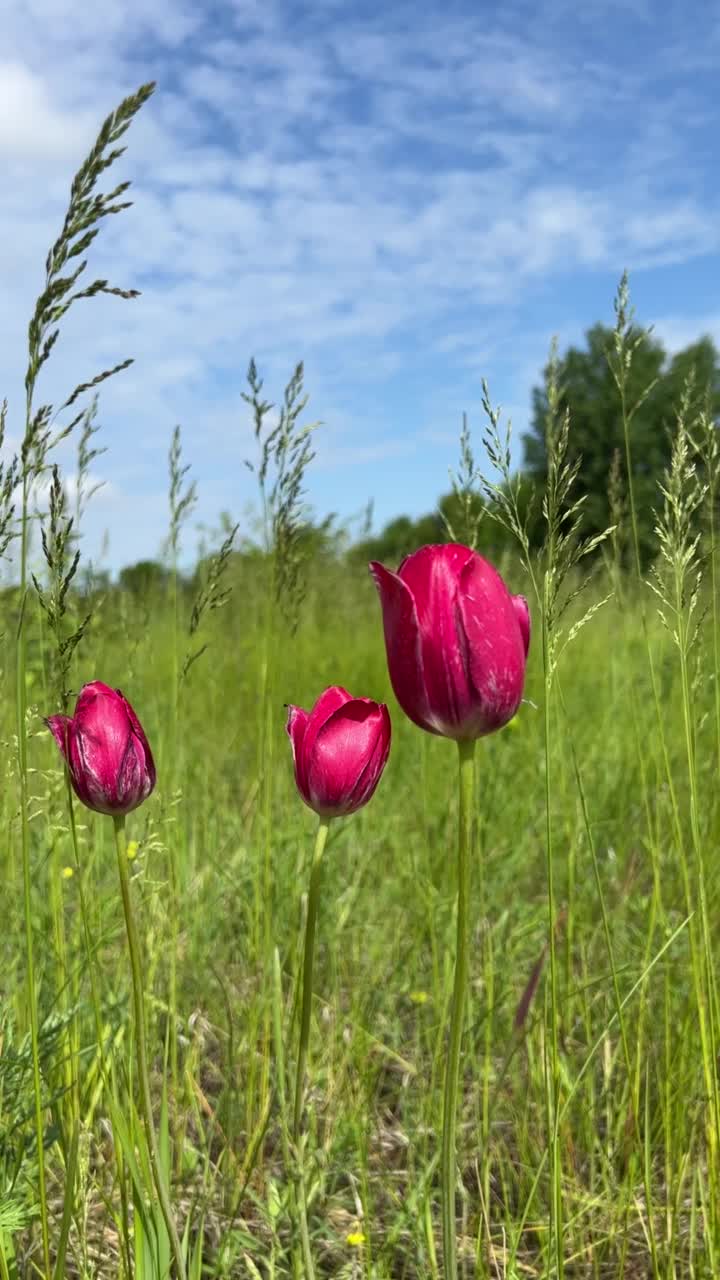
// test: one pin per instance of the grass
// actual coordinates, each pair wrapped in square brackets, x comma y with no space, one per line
[588,1122]
[382,975]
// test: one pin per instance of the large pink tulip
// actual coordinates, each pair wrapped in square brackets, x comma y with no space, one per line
[108,756]
[456,641]
[340,749]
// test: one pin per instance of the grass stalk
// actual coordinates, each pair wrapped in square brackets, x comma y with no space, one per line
[21,722]
[133,943]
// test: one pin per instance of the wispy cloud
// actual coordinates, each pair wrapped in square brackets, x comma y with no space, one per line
[399,195]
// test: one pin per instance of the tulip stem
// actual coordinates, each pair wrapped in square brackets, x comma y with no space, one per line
[307,983]
[140,1041]
[466,778]
[307,980]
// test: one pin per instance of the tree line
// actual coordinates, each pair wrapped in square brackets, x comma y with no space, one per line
[655,385]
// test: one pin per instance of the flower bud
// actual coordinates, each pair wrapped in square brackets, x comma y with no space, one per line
[456,641]
[340,749]
[108,756]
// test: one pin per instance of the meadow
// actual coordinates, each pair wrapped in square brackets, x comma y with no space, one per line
[589,1115]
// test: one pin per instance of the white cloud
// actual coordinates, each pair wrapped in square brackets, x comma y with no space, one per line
[677,332]
[358,191]
[32,127]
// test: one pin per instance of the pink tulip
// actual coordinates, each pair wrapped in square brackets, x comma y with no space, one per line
[107,753]
[456,641]
[340,749]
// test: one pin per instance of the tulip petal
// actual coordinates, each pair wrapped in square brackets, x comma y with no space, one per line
[373,770]
[349,754]
[95,787]
[60,728]
[489,623]
[433,574]
[101,721]
[434,569]
[131,780]
[522,612]
[403,645]
[144,755]
[295,727]
[330,701]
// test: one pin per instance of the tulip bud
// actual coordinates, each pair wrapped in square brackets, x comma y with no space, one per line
[340,749]
[106,751]
[456,641]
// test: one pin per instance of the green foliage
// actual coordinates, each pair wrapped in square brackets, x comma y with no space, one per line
[399,537]
[143,577]
[464,509]
[182,495]
[456,518]
[285,449]
[87,452]
[8,480]
[654,385]
[382,982]
[62,563]
[212,595]
[86,210]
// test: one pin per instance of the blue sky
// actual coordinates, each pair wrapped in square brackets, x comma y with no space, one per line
[409,197]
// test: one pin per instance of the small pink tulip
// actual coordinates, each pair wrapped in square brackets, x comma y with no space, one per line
[456,641]
[108,756]
[340,749]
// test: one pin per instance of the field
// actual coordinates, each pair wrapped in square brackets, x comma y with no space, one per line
[589,1118]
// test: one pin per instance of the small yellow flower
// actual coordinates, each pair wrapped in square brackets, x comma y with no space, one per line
[356,1238]
[132,849]
[419,997]
[67,873]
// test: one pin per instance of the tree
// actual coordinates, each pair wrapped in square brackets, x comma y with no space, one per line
[143,577]
[589,391]
[399,538]
[403,535]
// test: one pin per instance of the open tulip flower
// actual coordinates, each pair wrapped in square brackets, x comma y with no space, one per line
[108,756]
[457,644]
[456,641]
[340,749]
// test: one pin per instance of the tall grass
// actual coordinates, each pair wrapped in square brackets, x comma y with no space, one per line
[589,1118]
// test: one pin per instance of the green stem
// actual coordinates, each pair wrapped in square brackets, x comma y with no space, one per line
[172,853]
[710,996]
[143,1076]
[307,979]
[712,499]
[279,1038]
[553,1083]
[466,780]
[21,711]
[307,983]
[97,1009]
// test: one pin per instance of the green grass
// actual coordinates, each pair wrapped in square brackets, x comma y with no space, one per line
[383,974]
